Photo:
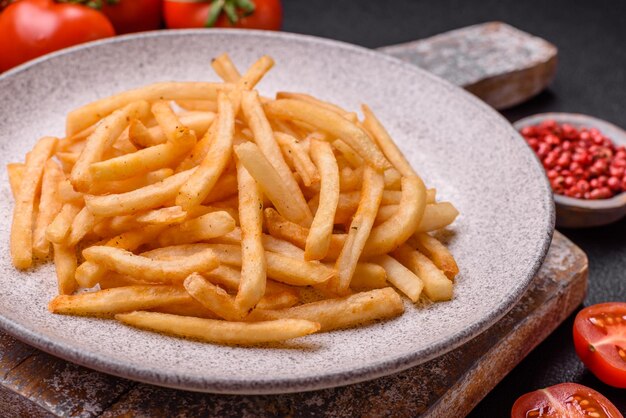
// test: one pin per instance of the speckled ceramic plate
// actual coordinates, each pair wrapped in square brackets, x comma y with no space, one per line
[462,147]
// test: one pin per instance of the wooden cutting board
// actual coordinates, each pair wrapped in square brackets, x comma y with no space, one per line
[496,62]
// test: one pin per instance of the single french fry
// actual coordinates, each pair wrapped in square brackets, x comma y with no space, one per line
[88,274]
[225,68]
[87,115]
[82,224]
[213,297]
[368,276]
[202,228]
[401,277]
[360,227]
[145,198]
[437,216]
[60,227]
[115,300]
[272,185]
[301,160]
[168,215]
[310,99]
[397,229]
[321,231]
[253,264]
[220,332]
[264,138]
[386,143]
[22,225]
[437,252]
[65,263]
[139,135]
[199,185]
[101,139]
[165,271]
[49,206]
[331,122]
[343,312]
[437,287]
[16,172]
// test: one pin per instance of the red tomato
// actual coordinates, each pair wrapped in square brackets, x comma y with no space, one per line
[600,341]
[130,16]
[30,28]
[569,400]
[267,14]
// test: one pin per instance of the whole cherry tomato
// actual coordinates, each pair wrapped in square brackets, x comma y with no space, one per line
[130,16]
[566,400]
[600,341]
[30,28]
[249,14]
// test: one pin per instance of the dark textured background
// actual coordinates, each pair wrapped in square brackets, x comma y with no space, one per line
[591,37]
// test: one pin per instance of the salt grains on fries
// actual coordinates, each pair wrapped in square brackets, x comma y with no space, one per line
[205,222]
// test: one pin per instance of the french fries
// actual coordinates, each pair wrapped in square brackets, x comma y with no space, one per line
[264,138]
[148,197]
[220,332]
[320,234]
[253,264]
[116,300]
[271,184]
[101,139]
[30,186]
[88,115]
[179,141]
[331,122]
[437,287]
[207,222]
[49,206]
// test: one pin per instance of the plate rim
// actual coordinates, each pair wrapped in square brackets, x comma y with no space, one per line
[207,384]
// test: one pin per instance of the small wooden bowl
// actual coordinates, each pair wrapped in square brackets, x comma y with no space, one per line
[582,213]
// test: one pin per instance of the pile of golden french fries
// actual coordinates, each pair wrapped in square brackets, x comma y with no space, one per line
[202,210]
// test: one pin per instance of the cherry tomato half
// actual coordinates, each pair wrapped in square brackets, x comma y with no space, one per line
[600,341]
[267,14]
[30,28]
[130,16]
[565,400]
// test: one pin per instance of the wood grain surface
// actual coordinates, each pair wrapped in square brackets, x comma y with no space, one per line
[35,384]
